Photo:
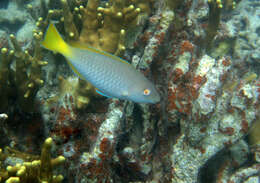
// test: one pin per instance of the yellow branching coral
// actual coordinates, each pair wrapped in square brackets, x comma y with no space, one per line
[215,8]
[105,27]
[213,21]
[115,23]
[70,28]
[33,169]
[27,83]
[5,75]
[20,82]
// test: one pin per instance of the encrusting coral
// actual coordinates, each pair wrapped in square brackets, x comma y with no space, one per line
[33,168]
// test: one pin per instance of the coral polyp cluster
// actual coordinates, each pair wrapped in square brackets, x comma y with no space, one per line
[104,25]
[24,81]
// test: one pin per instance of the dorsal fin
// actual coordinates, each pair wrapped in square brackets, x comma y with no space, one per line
[89,48]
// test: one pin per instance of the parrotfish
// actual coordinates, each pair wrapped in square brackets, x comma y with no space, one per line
[110,75]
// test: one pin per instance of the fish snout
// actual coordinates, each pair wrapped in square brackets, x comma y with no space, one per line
[156,98]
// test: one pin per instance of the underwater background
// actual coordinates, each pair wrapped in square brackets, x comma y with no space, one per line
[203,56]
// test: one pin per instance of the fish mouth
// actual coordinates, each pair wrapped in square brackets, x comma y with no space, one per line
[156,99]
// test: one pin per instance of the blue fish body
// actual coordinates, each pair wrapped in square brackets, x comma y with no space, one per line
[111,75]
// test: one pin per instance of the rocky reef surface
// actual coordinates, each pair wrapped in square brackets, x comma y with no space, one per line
[202,56]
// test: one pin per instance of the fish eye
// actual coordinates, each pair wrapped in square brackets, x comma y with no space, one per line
[147,92]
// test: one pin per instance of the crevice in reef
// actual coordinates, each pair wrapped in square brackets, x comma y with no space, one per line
[208,173]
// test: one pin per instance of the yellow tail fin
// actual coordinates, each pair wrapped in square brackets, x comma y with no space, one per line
[54,42]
